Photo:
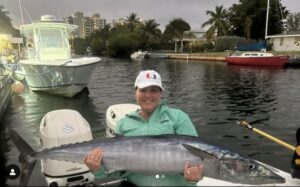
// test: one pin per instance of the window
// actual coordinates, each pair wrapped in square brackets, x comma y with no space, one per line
[51,38]
[281,41]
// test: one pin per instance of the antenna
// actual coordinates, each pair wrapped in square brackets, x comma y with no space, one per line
[267,20]
[20,6]
[28,15]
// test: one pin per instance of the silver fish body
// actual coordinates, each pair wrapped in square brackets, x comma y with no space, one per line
[167,154]
[161,154]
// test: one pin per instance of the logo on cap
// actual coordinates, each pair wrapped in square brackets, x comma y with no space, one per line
[148,75]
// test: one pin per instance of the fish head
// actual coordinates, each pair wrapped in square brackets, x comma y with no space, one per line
[248,171]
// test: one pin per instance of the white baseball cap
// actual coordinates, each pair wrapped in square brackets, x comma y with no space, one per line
[148,78]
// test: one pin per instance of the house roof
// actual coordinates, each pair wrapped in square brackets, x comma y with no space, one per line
[287,34]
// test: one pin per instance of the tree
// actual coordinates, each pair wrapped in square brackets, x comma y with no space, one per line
[218,22]
[241,13]
[5,22]
[176,28]
[99,40]
[150,32]
[80,45]
[122,44]
[104,33]
[247,27]
[132,22]
[293,22]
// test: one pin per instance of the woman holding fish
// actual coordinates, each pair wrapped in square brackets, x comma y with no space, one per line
[154,118]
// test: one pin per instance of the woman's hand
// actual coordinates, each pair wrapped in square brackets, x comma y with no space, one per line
[193,173]
[93,159]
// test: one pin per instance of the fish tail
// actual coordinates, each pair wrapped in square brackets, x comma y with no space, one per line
[25,157]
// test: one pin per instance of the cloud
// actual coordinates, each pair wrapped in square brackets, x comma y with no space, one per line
[192,11]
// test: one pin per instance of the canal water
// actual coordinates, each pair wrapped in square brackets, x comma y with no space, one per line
[214,94]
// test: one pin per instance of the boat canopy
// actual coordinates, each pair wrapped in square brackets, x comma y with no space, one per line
[261,45]
[48,40]
[47,24]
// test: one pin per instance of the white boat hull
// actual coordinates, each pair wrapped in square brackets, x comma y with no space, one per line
[138,55]
[60,77]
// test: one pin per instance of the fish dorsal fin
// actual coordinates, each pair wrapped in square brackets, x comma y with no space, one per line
[198,152]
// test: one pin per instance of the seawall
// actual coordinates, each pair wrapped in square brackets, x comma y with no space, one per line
[195,57]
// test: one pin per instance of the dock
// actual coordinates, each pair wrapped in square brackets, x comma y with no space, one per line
[188,56]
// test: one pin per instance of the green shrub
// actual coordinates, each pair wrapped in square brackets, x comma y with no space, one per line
[202,47]
[98,46]
[224,43]
[122,44]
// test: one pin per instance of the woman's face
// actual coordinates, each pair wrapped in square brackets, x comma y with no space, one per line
[148,98]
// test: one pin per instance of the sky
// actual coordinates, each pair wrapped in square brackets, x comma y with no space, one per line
[163,11]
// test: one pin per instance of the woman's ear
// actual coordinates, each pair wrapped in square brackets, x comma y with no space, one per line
[135,93]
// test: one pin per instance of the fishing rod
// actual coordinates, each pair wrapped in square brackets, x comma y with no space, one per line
[245,124]
[295,169]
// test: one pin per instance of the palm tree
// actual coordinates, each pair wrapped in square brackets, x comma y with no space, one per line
[150,31]
[176,28]
[5,22]
[293,21]
[217,22]
[132,21]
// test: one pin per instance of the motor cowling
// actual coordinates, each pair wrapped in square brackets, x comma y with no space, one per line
[60,127]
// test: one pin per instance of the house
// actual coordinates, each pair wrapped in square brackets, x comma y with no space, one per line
[192,37]
[285,42]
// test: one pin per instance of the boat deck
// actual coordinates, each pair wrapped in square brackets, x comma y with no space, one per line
[5,92]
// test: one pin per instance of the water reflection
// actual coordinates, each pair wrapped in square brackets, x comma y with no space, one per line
[28,109]
[240,91]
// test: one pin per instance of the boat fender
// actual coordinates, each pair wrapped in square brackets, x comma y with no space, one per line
[295,167]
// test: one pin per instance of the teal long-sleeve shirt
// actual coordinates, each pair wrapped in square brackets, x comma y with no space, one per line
[164,120]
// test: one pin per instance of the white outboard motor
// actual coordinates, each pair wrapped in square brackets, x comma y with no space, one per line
[63,127]
[116,112]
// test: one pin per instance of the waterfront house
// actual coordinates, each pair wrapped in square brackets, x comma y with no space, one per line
[285,42]
[191,37]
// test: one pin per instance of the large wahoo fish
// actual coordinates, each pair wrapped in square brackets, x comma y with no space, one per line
[161,154]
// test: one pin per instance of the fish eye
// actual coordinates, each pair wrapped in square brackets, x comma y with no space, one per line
[251,166]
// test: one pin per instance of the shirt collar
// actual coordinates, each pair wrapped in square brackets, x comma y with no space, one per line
[162,106]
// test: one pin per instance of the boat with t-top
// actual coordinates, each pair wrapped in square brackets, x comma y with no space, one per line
[49,66]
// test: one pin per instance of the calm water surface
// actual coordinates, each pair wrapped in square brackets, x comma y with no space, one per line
[214,94]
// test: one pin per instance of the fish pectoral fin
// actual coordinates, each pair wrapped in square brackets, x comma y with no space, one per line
[198,152]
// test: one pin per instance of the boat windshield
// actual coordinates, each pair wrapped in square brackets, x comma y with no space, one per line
[52,38]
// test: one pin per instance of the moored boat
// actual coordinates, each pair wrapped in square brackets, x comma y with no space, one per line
[138,55]
[5,91]
[49,66]
[257,59]
[294,61]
